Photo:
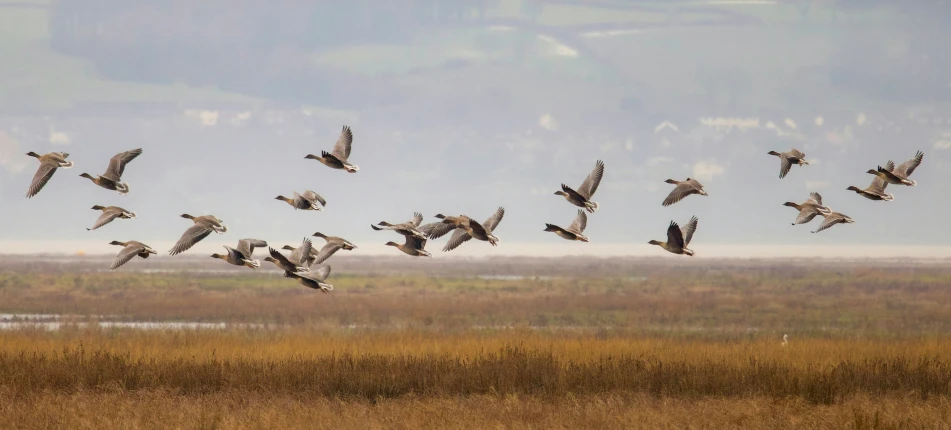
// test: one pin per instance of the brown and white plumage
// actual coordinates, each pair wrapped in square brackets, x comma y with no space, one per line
[899,175]
[338,158]
[130,249]
[304,255]
[583,195]
[788,159]
[414,246]
[204,225]
[574,231]
[110,213]
[875,191]
[832,219]
[48,165]
[241,256]
[333,245]
[309,200]
[408,228]
[313,279]
[283,262]
[112,178]
[809,209]
[468,228]
[683,189]
[678,238]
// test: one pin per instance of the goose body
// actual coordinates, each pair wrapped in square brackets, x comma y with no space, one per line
[204,225]
[414,246]
[583,195]
[678,238]
[683,189]
[467,228]
[241,256]
[788,159]
[110,213]
[875,191]
[313,279]
[574,231]
[48,165]
[338,158]
[305,255]
[809,209]
[283,262]
[333,245]
[409,228]
[832,219]
[112,178]
[899,175]
[129,250]
[307,201]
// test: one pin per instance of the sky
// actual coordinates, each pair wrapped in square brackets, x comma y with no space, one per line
[443,140]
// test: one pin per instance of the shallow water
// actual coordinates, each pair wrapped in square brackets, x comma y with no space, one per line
[53,322]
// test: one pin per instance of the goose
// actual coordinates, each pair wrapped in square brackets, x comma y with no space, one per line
[304,255]
[574,231]
[832,219]
[809,209]
[413,246]
[333,245]
[787,159]
[900,175]
[130,249]
[314,279]
[875,191]
[337,159]
[241,256]
[683,189]
[408,228]
[307,201]
[48,165]
[110,213]
[112,179]
[468,228]
[678,238]
[283,263]
[204,225]
[582,197]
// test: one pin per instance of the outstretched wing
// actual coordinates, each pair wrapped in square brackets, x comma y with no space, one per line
[127,253]
[246,247]
[301,255]
[797,153]
[327,251]
[415,242]
[806,215]
[42,176]
[435,230]
[275,254]
[417,219]
[890,166]
[816,198]
[458,237]
[342,147]
[784,166]
[106,217]
[878,185]
[590,184]
[318,275]
[830,221]
[494,220]
[312,196]
[117,164]
[193,235]
[580,222]
[682,190]
[688,230]
[674,235]
[908,167]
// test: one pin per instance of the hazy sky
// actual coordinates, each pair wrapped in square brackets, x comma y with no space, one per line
[498,130]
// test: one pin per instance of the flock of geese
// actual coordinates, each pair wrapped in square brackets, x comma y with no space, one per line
[299,264]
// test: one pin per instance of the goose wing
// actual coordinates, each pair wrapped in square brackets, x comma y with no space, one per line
[42,176]
[682,190]
[878,185]
[493,221]
[675,236]
[688,230]
[815,198]
[580,223]
[784,165]
[806,215]
[319,275]
[417,219]
[107,216]
[830,220]
[890,166]
[435,230]
[327,251]
[312,196]
[246,246]
[415,242]
[907,168]
[284,262]
[301,255]
[590,184]
[342,147]
[131,250]
[458,237]
[797,154]
[117,164]
[193,235]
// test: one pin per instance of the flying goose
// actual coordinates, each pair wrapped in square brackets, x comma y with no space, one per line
[582,197]
[467,228]
[334,244]
[310,201]
[314,279]
[112,179]
[131,249]
[678,238]
[242,255]
[413,246]
[900,175]
[574,231]
[48,165]
[110,213]
[683,189]
[809,209]
[337,159]
[875,191]
[787,159]
[408,228]
[304,255]
[204,225]
[283,263]
[832,219]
